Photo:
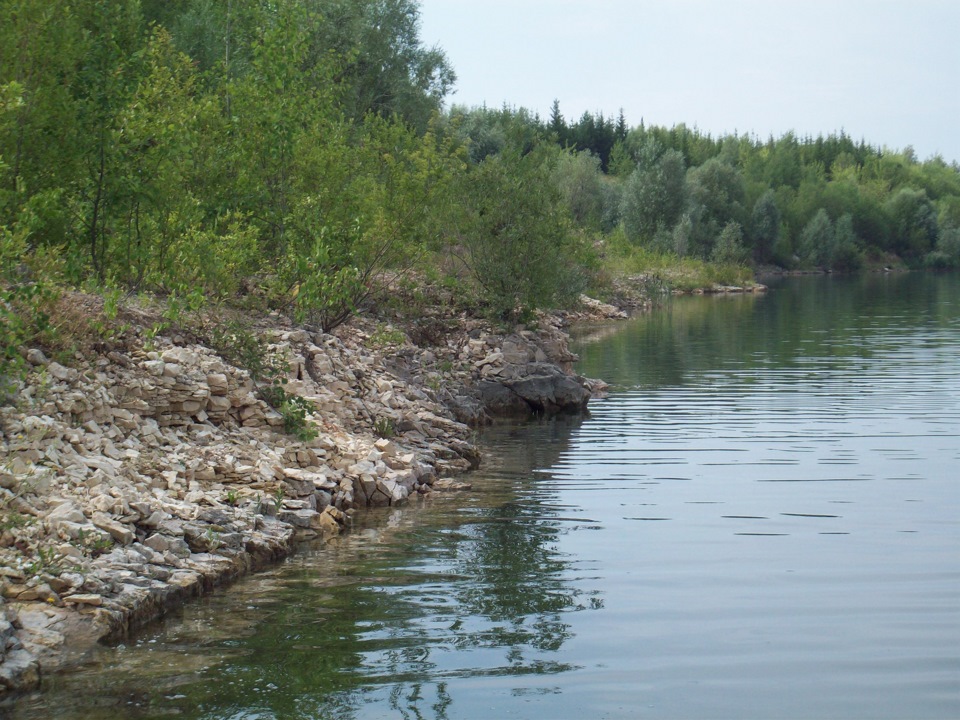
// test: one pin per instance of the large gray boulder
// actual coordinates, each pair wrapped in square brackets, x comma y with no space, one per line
[539,388]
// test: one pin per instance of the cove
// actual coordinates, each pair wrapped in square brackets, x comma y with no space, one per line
[761,520]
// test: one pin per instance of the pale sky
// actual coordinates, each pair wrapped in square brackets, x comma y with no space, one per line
[887,71]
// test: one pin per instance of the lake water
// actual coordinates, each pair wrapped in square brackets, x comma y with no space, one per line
[762,520]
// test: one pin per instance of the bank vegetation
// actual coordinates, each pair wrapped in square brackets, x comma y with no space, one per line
[297,157]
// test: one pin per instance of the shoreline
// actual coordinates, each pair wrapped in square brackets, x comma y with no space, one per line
[150,474]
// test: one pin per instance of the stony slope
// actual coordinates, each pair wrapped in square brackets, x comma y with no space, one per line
[150,473]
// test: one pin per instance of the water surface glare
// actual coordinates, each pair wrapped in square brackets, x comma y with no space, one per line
[762,520]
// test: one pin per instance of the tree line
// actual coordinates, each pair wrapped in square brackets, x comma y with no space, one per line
[299,151]
[825,202]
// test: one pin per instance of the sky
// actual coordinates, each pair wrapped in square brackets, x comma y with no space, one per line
[886,71]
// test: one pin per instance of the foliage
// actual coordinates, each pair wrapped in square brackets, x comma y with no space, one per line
[385,336]
[238,344]
[654,194]
[295,153]
[914,222]
[580,182]
[666,269]
[293,408]
[729,248]
[846,254]
[765,226]
[513,237]
[384,427]
[716,194]
[817,240]
[947,253]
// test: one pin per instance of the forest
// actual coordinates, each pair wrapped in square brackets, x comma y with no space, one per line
[301,156]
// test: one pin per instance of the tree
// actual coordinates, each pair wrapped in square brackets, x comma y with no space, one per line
[846,256]
[512,236]
[653,197]
[620,132]
[105,82]
[595,134]
[384,66]
[362,216]
[578,177]
[716,193]
[817,240]
[41,46]
[557,125]
[765,226]
[947,253]
[914,222]
[729,247]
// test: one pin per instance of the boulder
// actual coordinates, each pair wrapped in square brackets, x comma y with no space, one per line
[540,388]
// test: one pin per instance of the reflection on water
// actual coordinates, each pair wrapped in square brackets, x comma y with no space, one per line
[762,520]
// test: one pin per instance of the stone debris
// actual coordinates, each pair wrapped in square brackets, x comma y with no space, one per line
[142,478]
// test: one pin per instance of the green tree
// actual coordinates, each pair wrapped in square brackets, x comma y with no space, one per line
[947,253]
[716,194]
[557,125]
[729,247]
[513,238]
[653,196]
[365,217]
[914,222]
[765,226]
[384,66]
[817,240]
[847,256]
[578,177]
[154,145]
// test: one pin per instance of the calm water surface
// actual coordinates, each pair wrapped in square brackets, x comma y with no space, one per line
[761,521]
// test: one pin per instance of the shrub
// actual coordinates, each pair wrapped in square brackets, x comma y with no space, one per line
[514,239]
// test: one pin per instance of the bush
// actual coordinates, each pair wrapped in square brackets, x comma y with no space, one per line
[513,238]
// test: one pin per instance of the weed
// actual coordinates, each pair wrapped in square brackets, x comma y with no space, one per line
[24,317]
[278,497]
[384,427]
[231,498]
[384,336]
[238,344]
[48,561]
[292,408]
[94,544]
[213,539]
[14,520]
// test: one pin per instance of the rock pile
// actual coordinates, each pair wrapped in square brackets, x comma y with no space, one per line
[143,477]
[480,374]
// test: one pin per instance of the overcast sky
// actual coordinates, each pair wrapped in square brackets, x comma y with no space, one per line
[887,71]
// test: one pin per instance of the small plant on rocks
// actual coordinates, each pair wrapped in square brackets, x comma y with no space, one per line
[278,497]
[385,336]
[384,428]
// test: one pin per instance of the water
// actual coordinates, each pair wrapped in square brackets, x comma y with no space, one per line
[761,521]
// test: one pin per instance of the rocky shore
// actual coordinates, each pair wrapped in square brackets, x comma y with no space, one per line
[139,477]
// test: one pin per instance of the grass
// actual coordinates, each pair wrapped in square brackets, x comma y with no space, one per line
[676,273]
